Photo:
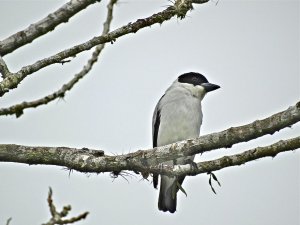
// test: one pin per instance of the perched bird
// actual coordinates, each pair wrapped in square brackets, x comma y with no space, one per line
[178,116]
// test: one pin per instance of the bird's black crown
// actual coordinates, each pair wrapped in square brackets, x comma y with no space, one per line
[192,78]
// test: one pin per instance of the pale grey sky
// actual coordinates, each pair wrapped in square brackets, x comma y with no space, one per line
[250,48]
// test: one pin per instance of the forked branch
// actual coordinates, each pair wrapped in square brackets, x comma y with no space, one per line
[59,217]
[178,10]
[18,109]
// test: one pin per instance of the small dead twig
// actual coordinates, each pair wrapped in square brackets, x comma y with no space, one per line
[3,68]
[8,220]
[57,217]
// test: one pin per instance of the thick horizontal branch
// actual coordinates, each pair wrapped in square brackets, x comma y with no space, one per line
[178,170]
[26,36]
[224,139]
[232,160]
[86,160]
[178,9]
[19,108]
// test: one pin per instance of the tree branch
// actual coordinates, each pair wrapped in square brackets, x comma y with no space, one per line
[26,36]
[8,221]
[226,138]
[57,217]
[178,9]
[3,68]
[232,160]
[19,108]
[86,160]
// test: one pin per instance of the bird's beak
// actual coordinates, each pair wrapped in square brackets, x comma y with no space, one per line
[210,87]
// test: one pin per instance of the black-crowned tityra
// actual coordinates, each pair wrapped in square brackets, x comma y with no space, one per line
[178,116]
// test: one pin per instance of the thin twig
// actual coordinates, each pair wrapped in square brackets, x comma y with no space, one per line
[3,68]
[18,109]
[57,217]
[12,81]
[75,218]
[8,221]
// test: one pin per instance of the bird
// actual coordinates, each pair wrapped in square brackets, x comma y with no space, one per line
[178,116]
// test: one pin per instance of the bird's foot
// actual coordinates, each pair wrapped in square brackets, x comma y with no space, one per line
[192,163]
[212,175]
[178,185]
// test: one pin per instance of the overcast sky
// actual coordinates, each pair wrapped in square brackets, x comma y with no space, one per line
[250,48]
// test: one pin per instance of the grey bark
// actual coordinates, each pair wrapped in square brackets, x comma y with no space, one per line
[47,24]
[148,161]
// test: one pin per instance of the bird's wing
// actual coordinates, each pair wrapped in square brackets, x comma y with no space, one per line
[156,123]
[155,128]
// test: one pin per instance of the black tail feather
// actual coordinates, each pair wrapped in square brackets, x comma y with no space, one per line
[167,201]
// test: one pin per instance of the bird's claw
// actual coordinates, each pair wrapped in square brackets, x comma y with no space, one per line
[212,175]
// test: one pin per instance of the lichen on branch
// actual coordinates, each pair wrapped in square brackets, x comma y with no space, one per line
[149,161]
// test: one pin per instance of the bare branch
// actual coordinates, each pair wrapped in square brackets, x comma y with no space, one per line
[226,138]
[233,160]
[57,217]
[19,108]
[3,68]
[8,221]
[179,10]
[26,36]
[86,160]
[52,207]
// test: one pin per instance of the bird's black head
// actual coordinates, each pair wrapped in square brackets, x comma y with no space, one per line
[197,79]
[192,78]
